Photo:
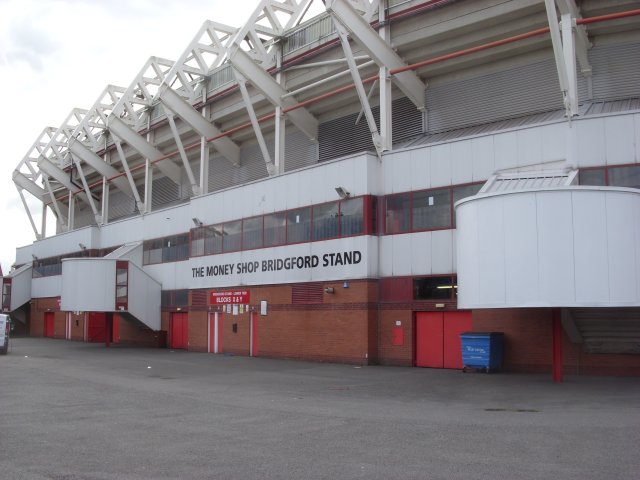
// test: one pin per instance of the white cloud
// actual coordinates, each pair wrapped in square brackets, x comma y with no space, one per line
[59,55]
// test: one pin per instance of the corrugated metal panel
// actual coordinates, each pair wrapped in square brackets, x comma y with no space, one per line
[299,150]
[164,192]
[526,180]
[121,205]
[312,32]
[616,71]
[223,174]
[511,93]
[83,216]
[343,136]
[407,119]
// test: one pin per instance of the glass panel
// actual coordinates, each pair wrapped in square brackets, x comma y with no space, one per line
[431,209]
[351,217]
[434,288]
[625,176]
[197,241]
[275,229]
[593,176]
[398,213]
[232,232]
[299,225]
[325,221]
[213,239]
[252,233]
[463,192]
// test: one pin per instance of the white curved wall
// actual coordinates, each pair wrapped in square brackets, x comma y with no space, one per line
[565,247]
[88,284]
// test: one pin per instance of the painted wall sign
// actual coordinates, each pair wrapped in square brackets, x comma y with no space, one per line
[231,297]
[301,262]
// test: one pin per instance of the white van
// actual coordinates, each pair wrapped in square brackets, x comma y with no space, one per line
[4,334]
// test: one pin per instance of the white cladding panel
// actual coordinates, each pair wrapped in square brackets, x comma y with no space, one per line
[564,247]
[318,262]
[66,242]
[45,287]
[88,284]
[144,297]
[420,253]
[23,254]
[21,287]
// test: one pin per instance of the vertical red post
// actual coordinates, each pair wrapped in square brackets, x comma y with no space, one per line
[108,324]
[557,346]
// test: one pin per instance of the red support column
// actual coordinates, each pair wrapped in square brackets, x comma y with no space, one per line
[556,364]
[108,328]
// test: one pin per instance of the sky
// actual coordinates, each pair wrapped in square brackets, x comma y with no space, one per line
[57,55]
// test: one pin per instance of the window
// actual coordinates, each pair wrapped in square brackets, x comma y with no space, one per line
[435,288]
[299,225]
[168,249]
[351,217]
[593,176]
[275,229]
[625,176]
[122,284]
[398,213]
[6,294]
[232,236]
[325,221]
[252,233]
[431,209]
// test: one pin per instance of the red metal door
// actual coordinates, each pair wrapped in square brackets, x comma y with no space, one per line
[97,327]
[454,323]
[49,324]
[179,330]
[429,339]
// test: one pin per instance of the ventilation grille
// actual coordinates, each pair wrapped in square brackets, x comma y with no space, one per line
[223,174]
[306,293]
[199,298]
[299,150]
[164,192]
[616,70]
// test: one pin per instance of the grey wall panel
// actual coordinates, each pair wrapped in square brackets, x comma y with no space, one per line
[223,174]
[343,136]
[616,70]
[121,205]
[299,150]
[507,94]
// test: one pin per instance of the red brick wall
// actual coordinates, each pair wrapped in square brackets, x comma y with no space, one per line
[198,331]
[132,333]
[389,354]
[528,345]
[36,319]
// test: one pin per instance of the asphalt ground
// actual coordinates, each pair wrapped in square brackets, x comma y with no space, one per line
[72,411]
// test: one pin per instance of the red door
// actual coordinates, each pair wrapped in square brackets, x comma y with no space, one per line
[49,324]
[97,327]
[179,330]
[429,339]
[438,338]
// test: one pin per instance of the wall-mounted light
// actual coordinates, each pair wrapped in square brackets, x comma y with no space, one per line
[329,290]
[342,192]
[345,284]
[82,246]
[197,222]
[34,257]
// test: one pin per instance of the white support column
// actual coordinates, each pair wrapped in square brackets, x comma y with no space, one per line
[43,225]
[127,171]
[148,183]
[386,120]
[242,83]
[92,203]
[105,201]
[364,102]
[183,155]
[26,209]
[204,148]
[72,212]
[279,120]
[569,52]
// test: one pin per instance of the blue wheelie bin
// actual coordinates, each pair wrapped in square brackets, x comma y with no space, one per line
[482,351]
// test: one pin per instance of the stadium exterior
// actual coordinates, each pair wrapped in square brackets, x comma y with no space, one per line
[361,186]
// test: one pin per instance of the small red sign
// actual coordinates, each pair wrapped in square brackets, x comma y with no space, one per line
[232,297]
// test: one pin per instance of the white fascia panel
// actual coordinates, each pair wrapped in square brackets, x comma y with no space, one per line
[619,139]
[483,163]
[461,162]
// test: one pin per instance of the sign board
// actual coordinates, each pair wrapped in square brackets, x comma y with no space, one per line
[231,297]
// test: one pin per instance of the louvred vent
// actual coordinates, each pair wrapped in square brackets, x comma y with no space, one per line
[306,293]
